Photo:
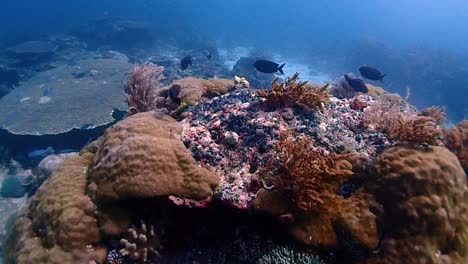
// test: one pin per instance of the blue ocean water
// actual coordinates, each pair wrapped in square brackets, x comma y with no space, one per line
[421,46]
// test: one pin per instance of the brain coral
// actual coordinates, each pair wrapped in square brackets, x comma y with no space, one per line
[143,157]
[58,222]
[424,195]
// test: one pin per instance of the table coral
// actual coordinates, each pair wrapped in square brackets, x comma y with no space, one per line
[143,157]
[424,196]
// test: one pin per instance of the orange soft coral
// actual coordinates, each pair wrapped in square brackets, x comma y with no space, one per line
[416,130]
[436,112]
[301,169]
[402,126]
[293,93]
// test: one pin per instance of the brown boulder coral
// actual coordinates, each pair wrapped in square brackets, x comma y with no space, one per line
[59,221]
[143,157]
[188,91]
[424,196]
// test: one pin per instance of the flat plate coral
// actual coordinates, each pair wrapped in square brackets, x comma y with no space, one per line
[66,97]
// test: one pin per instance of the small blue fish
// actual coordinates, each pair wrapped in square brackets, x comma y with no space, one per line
[65,151]
[47,91]
[40,153]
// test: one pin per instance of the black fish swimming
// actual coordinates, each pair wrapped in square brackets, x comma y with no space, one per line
[357,84]
[267,66]
[209,56]
[371,73]
[185,62]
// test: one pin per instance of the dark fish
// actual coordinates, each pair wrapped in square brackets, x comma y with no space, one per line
[185,62]
[357,84]
[209,56]
[371,73]
[267,66]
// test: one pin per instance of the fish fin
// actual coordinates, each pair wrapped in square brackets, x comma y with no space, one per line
[381,77]
[280,68]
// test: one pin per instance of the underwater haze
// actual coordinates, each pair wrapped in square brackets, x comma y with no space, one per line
[233,131]
[342,34]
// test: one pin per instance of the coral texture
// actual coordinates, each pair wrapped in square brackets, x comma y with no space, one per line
[435,112]
[141,244]
[143,157]
[303,170]
[424,196]
[456,139]
[189,91]
[58,222]
[285,254]
[142,86]
[293,93]
[396,118]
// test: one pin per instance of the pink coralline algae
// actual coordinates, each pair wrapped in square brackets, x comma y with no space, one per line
[234,136]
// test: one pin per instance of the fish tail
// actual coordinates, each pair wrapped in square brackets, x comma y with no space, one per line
[381,77]
[280,68]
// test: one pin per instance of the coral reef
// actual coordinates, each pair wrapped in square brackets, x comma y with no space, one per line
[292,93]
[435,112]
[189,91]
[424,196]
[394,117]
[250,176]
[143,157]
[456,140]
[285,254]
[82,95]
[142,86]
[141,244]
[58,222]
[303,170]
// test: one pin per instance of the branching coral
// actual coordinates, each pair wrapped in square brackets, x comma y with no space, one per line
[286,254]
[141,86]
[302,169]
[293,93]
[456,140]
[142,244]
